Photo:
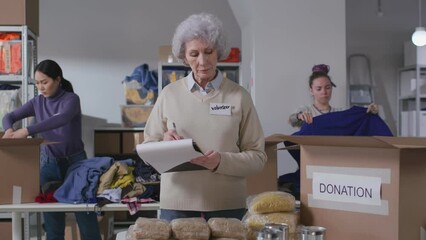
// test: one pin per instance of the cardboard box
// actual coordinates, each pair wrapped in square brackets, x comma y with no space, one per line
[267,179]
[388,173]
[165,54]
[20,12]
[19,180]
[5,229]
[134,116]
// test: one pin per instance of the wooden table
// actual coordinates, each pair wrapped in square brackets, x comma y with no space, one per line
[17,209]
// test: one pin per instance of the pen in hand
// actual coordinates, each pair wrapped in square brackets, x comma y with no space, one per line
[176,135]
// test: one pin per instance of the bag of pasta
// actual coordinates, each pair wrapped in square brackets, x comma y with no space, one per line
[271,201]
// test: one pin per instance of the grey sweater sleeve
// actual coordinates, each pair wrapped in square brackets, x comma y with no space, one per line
[293,120]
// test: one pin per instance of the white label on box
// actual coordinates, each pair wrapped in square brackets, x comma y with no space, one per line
[16,194]
[383,173]
[346,188]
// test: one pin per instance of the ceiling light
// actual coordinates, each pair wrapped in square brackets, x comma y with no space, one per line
[419,36]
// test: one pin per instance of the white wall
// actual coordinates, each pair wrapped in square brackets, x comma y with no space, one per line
[284,39]
[99,42]
[381,39]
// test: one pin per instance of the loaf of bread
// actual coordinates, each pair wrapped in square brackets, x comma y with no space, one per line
[190,228]
[225,238]
[227,228]
[151,228]
[272,201]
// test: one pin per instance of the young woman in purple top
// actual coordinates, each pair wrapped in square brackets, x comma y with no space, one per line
[57,115]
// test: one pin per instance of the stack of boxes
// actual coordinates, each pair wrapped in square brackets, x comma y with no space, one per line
[140,90]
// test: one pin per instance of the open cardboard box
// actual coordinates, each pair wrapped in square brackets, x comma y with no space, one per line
[398,164]
[20,176]
[267,179]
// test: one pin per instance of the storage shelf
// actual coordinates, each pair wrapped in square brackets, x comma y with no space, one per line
[181,70]
[11,78]
[413,67]
[411,98]
[28,56]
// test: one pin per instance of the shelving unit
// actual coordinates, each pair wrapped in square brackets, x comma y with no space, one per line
[22,78]
[28,43]
[411,92]
[168,72]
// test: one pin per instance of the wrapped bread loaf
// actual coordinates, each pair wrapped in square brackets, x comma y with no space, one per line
[129,233]
[272,201]
[225,238]
[150,228]
[227,228]
[257,221]
[190,228]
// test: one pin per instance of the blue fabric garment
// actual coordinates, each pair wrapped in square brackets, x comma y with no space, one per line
[82,179]
[352,122]
[148,79]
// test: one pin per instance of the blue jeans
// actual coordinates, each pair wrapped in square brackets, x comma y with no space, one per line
[169,215]
[55,169]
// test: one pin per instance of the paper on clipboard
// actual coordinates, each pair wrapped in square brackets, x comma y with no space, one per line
[167,156]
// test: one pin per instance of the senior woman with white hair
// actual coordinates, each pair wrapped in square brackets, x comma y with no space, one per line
[219,115]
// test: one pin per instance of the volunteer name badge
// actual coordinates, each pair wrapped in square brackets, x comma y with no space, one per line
[220,109]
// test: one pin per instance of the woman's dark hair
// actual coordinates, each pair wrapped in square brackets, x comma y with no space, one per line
[53,70]
[320,70]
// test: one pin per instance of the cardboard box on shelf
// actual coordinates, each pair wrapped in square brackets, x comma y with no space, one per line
[134,116]
[20,12]
[165,54]
[20,178]
[363,187]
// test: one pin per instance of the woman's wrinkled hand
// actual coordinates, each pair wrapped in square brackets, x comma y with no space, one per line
[210,160]
[171,135]
[373,108]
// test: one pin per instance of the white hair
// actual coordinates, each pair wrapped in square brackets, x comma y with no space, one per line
[203,26]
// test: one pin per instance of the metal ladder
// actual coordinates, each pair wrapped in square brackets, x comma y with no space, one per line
[360,83]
